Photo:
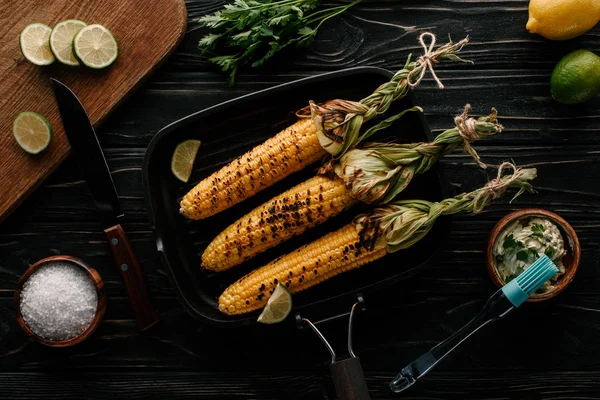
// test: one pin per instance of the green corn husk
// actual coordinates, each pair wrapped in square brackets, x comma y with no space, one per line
[338,122]
[378,172]
[403,223]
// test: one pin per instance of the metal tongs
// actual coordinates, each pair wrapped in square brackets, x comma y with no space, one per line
[347,374]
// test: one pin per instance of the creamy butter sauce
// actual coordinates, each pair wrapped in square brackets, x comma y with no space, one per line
[523,242]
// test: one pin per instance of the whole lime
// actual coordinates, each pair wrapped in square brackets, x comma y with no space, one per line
[576,77]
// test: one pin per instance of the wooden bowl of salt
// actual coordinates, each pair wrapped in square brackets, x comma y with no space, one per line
[60,301]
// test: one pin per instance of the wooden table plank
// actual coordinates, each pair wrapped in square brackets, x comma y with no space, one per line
[185,359]
[475,385]
[400,325]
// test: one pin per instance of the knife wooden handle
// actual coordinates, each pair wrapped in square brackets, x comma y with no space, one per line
[133,276]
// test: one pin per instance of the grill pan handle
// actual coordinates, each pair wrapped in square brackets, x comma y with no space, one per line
[349,380]
[360,301]
[348,377]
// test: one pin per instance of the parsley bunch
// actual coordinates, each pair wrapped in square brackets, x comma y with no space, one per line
[250,32]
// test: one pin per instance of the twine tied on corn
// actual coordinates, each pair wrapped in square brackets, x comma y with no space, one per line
[403,223]
[376,173]
[467,127]
[495,188]
[431,57]
[338,122]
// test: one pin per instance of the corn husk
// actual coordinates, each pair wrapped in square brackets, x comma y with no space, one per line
[338,122]
[378,172]
[403,223]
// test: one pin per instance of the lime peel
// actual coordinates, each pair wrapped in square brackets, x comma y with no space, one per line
[32,132]
[35,44]
[61,40]
[576,77]
[183,158]
[95,47]
[278,307]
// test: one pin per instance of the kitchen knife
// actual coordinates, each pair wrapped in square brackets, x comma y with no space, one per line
[87,150]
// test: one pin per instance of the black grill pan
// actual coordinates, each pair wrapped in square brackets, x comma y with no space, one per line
[229,129]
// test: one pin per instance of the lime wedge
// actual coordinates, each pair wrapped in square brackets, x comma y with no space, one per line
[278,307]
[35,44]
[32,132]
[183,159]
[61,40]
[95,47]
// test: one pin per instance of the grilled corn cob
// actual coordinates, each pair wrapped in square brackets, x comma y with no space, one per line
[369,237]
[310,265]
[329,128]
[287,152]
[375,174]
[287,215]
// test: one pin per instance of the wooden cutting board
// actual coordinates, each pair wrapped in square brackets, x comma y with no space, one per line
[146,30]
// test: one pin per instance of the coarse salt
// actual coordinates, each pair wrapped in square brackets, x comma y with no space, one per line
[58,301]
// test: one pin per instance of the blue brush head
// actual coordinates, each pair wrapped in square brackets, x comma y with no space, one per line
[519,289]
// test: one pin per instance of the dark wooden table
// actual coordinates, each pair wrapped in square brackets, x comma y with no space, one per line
[547,350]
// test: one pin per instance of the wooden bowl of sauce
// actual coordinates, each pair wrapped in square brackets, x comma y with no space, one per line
[570,260]
[36,316]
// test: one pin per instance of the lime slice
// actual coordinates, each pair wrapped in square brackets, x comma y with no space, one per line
[183,159]
[32,132]
[35,44]
[95,47]
[61,40]
[278,307]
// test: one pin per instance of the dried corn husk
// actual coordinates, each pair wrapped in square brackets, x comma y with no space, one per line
[378,172]
[403,223]
[338,122]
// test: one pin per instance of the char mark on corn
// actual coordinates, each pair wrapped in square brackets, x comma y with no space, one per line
[289,214]
[289,151]
[331,255]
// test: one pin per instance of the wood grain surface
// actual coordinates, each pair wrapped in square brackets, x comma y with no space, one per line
[548,350]
[146,32]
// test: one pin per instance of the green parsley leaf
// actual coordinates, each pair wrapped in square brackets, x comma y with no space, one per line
[250,32]
[537,230]
[213,20]
[306,31]
[240,37]
[533,254]
[280,20]
[209,40]
[511,244]
[523,255]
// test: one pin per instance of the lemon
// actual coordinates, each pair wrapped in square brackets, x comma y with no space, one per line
[183,158]
[278,307]
[32,132]
[562,19]
[576,77]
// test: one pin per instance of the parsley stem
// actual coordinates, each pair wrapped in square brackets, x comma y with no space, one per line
[275,4]
[329,13]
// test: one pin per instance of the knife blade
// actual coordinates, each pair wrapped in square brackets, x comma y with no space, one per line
[86,148]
